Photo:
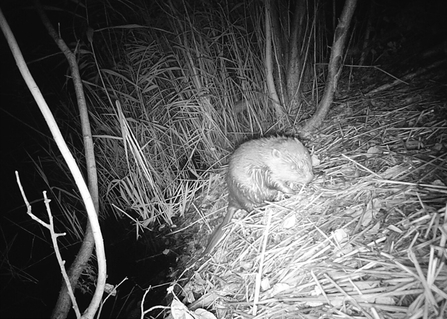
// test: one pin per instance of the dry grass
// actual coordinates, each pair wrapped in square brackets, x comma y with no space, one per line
[367,239]
[174,118]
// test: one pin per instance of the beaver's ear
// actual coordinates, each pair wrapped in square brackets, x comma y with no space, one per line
[276,153]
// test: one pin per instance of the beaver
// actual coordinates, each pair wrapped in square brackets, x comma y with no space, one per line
[260,170]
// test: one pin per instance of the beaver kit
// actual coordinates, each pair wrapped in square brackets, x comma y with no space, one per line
[260,170]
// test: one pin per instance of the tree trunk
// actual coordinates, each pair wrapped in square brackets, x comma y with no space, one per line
[269,64]
[63,303]
[335,68]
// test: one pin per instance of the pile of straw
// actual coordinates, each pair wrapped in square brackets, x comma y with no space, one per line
[366,239]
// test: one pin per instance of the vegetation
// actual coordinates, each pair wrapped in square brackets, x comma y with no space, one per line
[172,87]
